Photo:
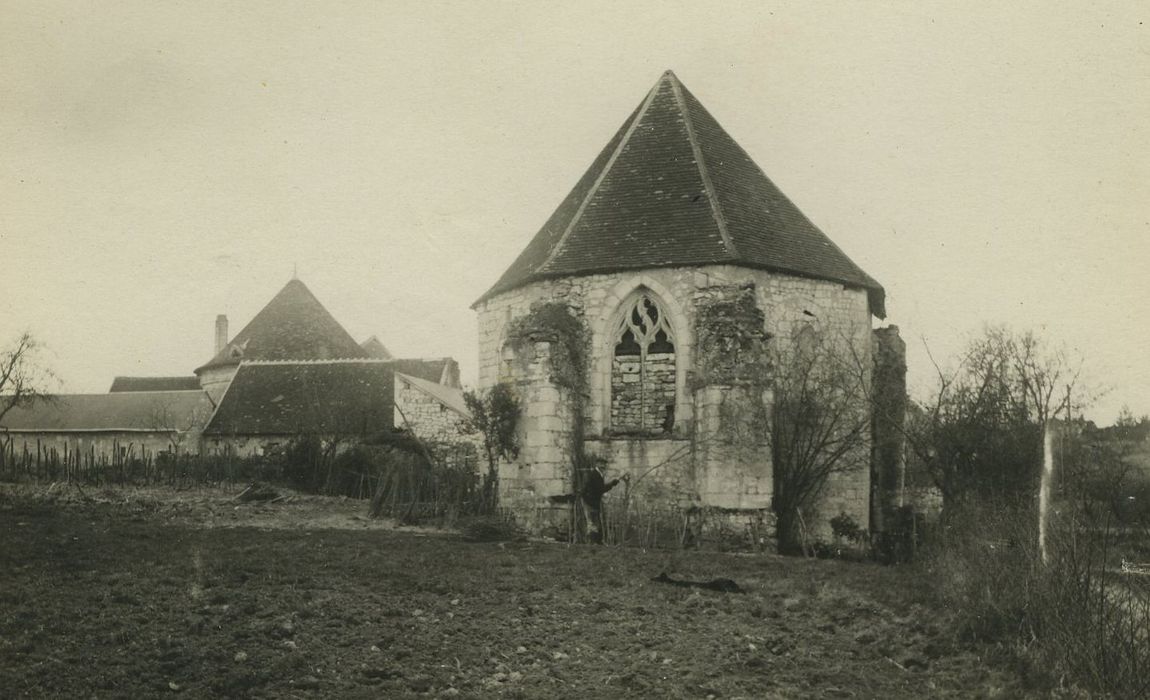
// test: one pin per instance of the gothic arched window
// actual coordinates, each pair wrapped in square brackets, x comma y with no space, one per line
[643,370]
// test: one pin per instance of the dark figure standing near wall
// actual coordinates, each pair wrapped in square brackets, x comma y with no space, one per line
[594,487]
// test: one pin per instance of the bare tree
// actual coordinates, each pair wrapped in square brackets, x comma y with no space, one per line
[980,432]
[24,378]
[820,428]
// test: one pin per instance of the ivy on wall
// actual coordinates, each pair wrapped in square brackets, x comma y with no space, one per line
[554,323]
[731,337]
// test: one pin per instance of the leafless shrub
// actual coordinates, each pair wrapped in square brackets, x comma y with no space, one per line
[1075,621]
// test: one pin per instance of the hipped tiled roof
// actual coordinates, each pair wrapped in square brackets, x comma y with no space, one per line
[156,411]
[672,188]
[190,383]
[293,326]
[340,397]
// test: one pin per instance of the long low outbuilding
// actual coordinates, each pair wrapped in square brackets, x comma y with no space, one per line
[126,424]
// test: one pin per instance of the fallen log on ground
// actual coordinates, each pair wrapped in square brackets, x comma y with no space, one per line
[722,585]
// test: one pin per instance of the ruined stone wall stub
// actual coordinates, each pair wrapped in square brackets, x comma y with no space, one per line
[732,399]
[543,468]
[888,421]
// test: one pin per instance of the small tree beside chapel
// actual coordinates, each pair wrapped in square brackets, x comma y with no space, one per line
[820,429]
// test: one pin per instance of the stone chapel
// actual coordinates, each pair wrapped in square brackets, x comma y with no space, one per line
[672,221]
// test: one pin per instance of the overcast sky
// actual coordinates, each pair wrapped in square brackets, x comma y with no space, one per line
[164,162]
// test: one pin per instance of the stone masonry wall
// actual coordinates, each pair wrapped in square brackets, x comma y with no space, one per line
[215,380]
[427,417]
[840,311]
[732,463]
[244,445]
[643,393]
[789,305]
[543,468]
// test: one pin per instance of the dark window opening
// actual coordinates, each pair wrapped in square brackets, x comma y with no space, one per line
[661,344]
[627,346]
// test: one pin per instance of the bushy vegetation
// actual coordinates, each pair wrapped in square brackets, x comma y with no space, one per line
[495,416]
[171,470]
[1051,593]
[1071,621]
[404,477]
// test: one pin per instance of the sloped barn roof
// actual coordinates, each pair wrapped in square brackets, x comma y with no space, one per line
[150,411]
[337,397]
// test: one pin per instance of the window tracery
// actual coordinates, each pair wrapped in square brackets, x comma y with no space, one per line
[643,370]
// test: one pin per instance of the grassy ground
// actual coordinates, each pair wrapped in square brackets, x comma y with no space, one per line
[143,596]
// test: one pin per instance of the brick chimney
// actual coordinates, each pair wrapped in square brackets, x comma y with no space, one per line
[221,332]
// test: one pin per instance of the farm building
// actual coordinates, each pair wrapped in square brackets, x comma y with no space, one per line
[119,425]
[294,325]
[685,270]
[293,369]
[270,402]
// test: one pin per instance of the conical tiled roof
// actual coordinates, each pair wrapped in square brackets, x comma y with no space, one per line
[293,326]
[672,188]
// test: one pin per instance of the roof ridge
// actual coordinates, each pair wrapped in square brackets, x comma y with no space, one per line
[602,175]
[331,361]
[147,391]
[701,165]
[120,394]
